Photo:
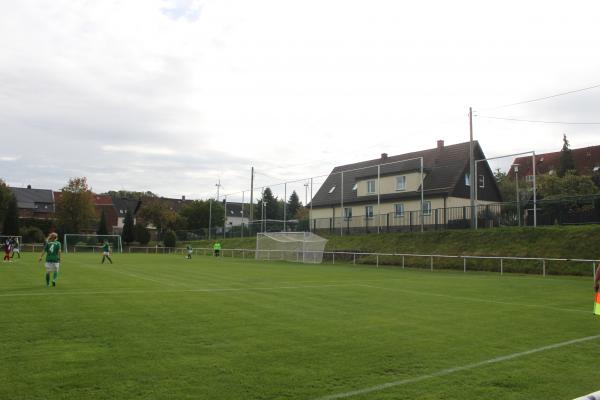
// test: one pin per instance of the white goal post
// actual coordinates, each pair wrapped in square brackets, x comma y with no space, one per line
[304,247]
[90,242]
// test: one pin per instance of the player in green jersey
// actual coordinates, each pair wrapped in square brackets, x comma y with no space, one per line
[189,251]
[52,249]
[106,252]
[217,249]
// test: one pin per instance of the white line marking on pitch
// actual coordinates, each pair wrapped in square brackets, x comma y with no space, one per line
[455,369]
[478,300]
[51,292]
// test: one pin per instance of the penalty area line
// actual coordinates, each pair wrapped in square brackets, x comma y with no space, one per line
[449,371]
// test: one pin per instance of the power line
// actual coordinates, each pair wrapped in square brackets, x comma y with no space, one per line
[538,121]
[543,98]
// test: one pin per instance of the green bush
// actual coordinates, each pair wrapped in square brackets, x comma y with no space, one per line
[32,234]
[142,235]
[170,239]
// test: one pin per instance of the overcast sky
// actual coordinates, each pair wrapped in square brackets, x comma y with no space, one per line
[171,96]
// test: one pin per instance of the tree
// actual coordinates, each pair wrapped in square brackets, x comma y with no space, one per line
[566,161]
[5,195]
[11,220]
[196,214]
[170,239]
[554,187]
[75,210]
[271,206]
[293,205]
[157,213]
[142,235]
[128,234]
[102,230]
[499,175]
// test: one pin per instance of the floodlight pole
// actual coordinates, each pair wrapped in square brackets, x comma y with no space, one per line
[472,170]
[305,194]
[242,225]
[284,205]
[209,217]
[311,206]
[422,198]
[534,191]
[378,198]
[343,215]
[516,169]
[251,194]
[225,218]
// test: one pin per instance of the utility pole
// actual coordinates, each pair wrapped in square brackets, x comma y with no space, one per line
[305,194]
[472,170]
[252,194]
[218,185]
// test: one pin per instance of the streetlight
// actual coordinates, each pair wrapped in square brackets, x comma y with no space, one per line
[516,169]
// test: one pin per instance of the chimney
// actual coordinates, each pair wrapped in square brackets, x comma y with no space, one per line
[384,156]
[440,144]
[28,186]
[182,198]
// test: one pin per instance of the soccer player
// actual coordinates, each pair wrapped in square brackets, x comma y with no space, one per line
[7,250]
[15,248]
[217,249]
[52,250]
[189,251]
[106,252]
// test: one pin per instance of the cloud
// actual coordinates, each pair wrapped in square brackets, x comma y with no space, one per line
[140,149]
[9,158]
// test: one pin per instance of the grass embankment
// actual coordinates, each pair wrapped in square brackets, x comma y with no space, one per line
[581,242]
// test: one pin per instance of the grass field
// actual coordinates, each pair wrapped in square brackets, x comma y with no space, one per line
[160,326]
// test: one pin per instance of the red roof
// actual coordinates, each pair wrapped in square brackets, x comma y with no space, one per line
[586,159]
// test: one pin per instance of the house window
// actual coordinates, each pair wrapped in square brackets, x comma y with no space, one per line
[399,210]
[596,168]
[467,180]
[529,178]
[481,181]
[355,187]
[371,186]
[427,207]
[332,189]
[369,211]
[347,212]
[400,183]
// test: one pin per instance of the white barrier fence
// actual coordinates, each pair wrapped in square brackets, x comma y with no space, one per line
[399,259]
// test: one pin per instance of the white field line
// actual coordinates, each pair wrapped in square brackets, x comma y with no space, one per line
[52,292]
[449,371]
[478,300]
[591,396]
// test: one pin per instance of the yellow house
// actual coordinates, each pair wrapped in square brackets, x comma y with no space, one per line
[429,189]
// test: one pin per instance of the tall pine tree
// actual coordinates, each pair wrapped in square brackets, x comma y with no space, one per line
[293,205]
[566,161]
[102,230]
[128,234]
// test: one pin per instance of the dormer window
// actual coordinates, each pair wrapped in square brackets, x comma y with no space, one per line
[332,189]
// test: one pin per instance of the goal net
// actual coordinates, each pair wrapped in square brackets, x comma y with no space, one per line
[90,242]
[305,247]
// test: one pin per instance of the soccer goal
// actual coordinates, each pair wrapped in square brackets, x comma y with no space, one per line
[305,247]
[81,242]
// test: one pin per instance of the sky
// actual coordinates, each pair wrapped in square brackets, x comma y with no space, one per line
[173,96]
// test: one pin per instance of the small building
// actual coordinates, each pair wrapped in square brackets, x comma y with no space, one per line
[121,206]
[586,159]
[385,193]
[34,203]
[235,215]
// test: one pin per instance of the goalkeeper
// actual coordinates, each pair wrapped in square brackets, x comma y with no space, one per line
[217,249]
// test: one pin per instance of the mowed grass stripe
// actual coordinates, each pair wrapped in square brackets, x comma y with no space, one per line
[303,343]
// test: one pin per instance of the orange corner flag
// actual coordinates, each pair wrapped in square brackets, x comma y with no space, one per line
[597,304]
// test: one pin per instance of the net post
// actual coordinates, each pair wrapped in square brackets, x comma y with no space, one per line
[431,263]
[333,258]
[501,266]
[543,267]
[402,262]
[464,264]
[354,259]
[377,260]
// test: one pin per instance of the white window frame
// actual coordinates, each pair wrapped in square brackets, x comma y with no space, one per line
[348,212]
[401,213]
[401,188]
[369,212]
[528,178]
[482,185]
[332,189]
[467,180]
[427,207]
[371,182]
